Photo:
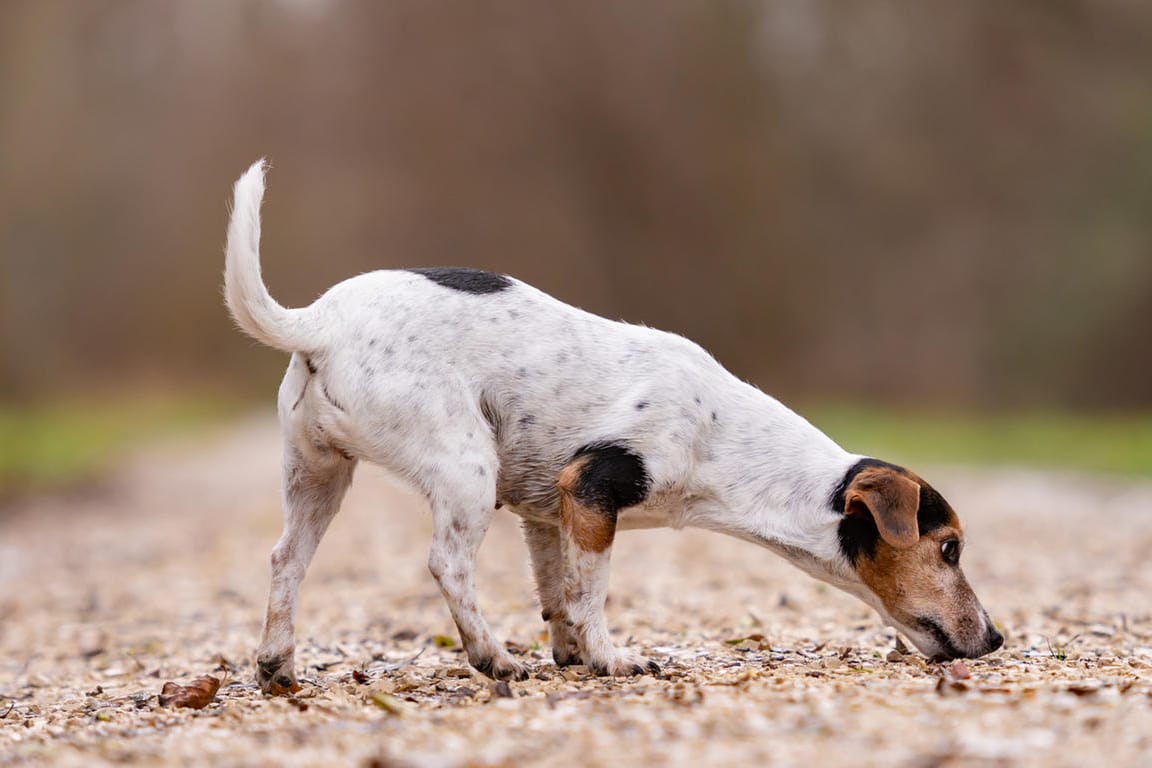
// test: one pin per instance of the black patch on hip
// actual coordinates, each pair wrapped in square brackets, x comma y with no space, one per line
[613,477]
[858,533]
[465,279]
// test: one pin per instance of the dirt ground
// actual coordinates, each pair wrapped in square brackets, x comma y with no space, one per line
[161,576]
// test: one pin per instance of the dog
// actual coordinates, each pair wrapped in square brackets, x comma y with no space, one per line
[484,392]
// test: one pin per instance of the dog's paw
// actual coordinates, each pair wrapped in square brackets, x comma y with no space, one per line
[624,664]
[565,649]
[565,657]
[501,667]
[276,675]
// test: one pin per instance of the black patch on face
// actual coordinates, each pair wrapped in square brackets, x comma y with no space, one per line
[465,279]
[858,533]
[612,478]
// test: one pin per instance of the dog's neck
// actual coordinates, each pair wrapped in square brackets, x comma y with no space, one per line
[771,478]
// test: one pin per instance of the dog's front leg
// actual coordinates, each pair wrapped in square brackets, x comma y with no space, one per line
[586,536]
[544,546]
[459,530]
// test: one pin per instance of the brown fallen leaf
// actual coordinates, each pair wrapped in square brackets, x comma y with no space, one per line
[1084,689]
[945,686]
[196,695]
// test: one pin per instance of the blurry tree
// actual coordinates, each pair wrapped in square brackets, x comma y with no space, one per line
[915,201]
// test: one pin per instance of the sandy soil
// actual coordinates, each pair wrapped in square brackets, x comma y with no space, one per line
[162,575]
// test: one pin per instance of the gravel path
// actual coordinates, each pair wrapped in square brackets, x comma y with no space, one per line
[161,576]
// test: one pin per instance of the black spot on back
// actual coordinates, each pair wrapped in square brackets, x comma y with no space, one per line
[465,279]
[613,478]
[858,533]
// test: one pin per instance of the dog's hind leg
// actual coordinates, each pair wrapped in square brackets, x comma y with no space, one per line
[463,501]
[315,480]
[544,546]
[593,488]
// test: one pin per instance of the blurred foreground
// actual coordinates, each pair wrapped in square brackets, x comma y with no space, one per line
[163,577]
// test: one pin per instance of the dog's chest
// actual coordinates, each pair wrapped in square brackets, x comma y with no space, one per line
[663,509]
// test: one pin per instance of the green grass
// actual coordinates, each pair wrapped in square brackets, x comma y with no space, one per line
[1117,444]
[54,444]
[57,444]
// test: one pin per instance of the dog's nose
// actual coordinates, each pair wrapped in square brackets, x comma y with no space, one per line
[995,639]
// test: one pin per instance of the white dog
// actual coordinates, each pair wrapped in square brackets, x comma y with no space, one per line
[485,392]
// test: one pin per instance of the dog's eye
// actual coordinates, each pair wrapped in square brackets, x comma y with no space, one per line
[950,549]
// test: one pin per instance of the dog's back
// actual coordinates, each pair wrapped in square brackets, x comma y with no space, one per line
[411,352]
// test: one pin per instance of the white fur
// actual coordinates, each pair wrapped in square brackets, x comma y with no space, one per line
[482,399]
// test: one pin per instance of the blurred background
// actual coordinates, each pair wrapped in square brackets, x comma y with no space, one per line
[926,225]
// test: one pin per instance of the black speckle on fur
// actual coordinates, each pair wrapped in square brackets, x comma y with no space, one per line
[328,396]
[859,534]
[613,478]
[311,365]
[641,405]
[465,279]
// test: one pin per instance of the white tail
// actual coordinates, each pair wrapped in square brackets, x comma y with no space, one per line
[252,307]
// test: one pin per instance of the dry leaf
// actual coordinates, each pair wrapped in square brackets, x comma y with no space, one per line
[1084,689]
[945,686]
[960,670]
[389,704]
[443,641]
[196,695]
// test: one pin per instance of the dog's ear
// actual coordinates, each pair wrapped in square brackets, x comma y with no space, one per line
[892,498]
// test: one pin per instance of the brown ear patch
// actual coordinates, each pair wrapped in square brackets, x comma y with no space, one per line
[891,497]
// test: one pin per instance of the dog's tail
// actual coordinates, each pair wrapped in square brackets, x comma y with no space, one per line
[252,307]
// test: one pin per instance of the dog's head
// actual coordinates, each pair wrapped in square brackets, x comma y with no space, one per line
[904,543]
